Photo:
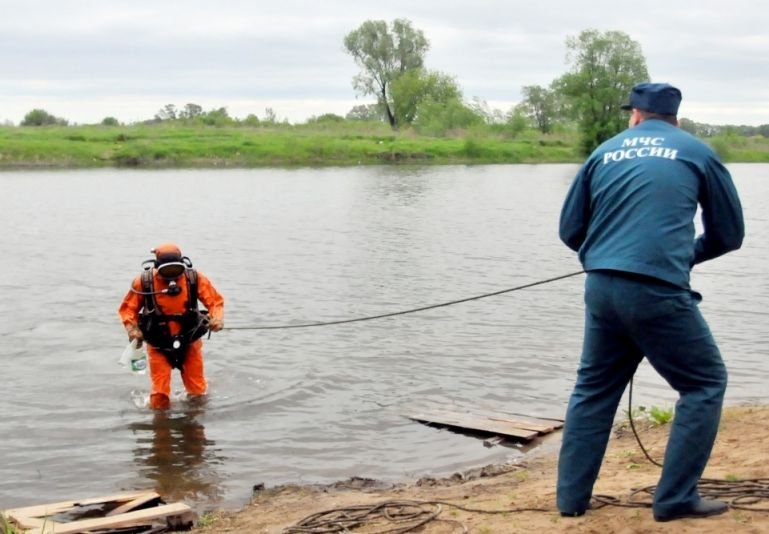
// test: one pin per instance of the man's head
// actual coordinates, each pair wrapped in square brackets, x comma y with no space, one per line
[168,261]
[654,100]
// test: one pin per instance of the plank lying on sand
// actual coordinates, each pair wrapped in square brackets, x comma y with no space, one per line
[525,428]
[41,519]
[123,520]
[47,510]
[134,503]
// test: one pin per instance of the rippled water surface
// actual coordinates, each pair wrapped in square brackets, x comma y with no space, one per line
[313,404]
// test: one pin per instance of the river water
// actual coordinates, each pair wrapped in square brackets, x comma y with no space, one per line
[320,404]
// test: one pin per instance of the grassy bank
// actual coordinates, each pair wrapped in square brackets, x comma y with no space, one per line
[170,145]
[178,145]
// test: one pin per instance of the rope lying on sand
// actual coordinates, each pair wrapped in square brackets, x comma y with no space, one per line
[746,494]
[415,513]
[402,516]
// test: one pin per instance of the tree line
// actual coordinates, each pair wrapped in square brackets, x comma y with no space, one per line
[602,69]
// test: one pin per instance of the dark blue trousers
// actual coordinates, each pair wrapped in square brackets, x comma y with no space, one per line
[627,318]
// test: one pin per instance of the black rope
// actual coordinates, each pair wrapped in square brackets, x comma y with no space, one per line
[746,494]
[410,515]
[404,312]
[743,494]
[750,494]
[632,425]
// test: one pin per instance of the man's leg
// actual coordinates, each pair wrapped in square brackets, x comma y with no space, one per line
[608,361]
[160,373]
[682,350]
[193,374]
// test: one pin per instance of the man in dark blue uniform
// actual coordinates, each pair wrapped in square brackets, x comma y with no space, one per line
[630,215]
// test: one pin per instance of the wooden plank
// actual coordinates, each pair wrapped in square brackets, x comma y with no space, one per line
[25,523]
[516,415]
[524,421]
[492,412]
[529,425]
[473,423]
[541,424]
[122,520]
[138,501]
[43,510]
[515,425]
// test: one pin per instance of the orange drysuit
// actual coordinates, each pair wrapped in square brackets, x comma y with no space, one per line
[192,371]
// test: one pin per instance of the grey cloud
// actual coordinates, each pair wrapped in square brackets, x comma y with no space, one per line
[239,49]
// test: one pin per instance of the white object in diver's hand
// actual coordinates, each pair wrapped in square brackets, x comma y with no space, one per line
[134,357]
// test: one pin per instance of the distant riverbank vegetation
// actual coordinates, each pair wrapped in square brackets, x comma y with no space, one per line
[214,139]
[418,116]
[327,140]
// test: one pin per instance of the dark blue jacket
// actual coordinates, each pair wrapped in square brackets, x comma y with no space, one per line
[632,205]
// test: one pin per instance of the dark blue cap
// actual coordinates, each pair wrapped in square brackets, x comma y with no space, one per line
[660,98]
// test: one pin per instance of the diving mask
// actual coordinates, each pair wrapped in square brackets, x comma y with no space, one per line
[171,270]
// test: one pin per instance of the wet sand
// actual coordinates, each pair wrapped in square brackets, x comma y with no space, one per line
[741,453]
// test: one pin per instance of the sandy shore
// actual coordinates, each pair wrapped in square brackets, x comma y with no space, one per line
[741,453]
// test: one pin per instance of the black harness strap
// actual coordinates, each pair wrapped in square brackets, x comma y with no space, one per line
[192,289]
[154,324]
[148,289]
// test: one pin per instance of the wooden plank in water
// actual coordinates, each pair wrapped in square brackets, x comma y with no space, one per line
[548,424]
[474,423]
[542,428]
[519,426]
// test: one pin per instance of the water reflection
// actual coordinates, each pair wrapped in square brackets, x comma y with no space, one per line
[172,451]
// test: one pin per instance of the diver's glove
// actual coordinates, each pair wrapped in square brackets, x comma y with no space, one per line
[215,324]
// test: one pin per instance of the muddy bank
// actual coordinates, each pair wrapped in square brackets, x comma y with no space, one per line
[520,497]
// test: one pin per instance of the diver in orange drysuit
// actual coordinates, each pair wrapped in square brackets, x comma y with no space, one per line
[158,309]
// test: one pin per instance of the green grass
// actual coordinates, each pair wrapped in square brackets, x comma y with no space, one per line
[655,415]
[735,148]
[207,519]
[172,145]
[660,416]
[6,527]
[180,145]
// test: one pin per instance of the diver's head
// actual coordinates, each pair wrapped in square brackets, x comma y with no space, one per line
[169,261]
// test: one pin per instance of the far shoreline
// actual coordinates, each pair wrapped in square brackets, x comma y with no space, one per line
[185,146]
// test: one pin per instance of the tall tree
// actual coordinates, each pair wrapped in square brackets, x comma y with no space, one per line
[191,111]
[416,86]
[167,113]
[384,53]
[365,112]
[40,117]
[539,106]
[604,68]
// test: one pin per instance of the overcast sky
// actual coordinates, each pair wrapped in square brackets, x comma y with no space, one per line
[84,60]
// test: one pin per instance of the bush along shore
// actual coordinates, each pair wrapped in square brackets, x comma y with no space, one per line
[178,145]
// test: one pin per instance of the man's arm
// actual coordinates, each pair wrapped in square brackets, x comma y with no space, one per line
[722,220]
[129,310]
[575,214]
[213,301]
